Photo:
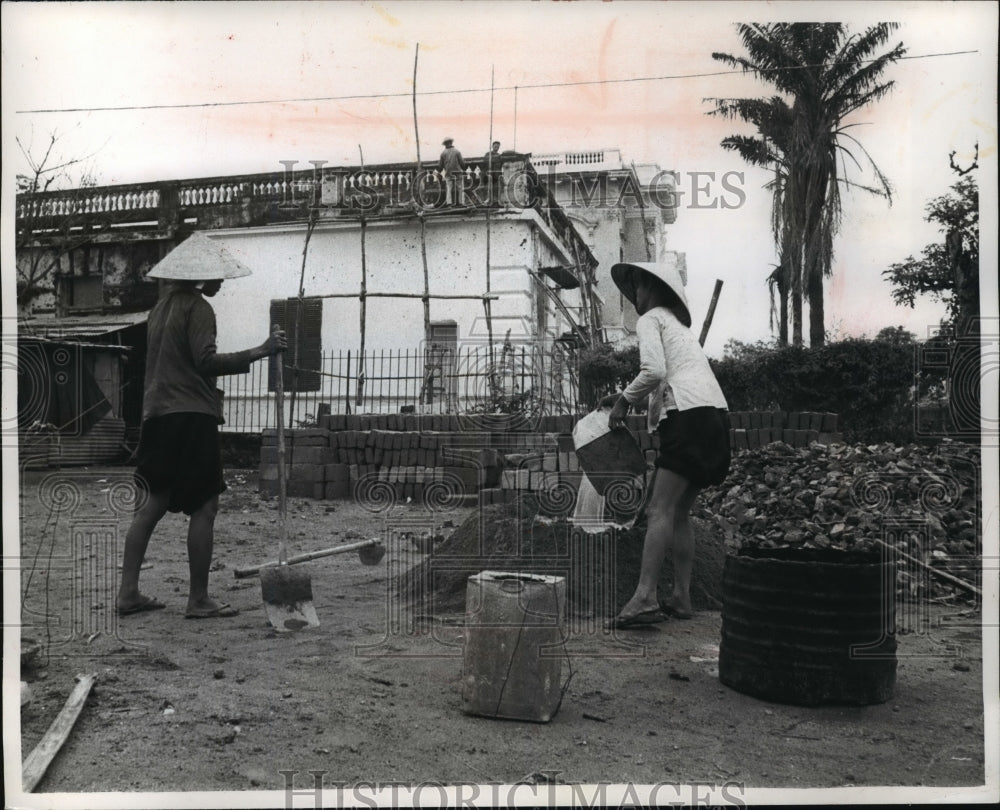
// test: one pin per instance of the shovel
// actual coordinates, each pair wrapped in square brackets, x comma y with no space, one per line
[370,552]
[287,594]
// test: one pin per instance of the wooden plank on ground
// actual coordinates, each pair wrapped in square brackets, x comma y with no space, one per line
[41,757]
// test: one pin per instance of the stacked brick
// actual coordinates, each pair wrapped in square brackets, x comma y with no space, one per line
[325,464]
[749,430]
[411,453]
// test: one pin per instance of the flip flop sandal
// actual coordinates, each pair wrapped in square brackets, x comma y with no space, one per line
[642,620]
[147,603]
[221,612]
[675,612]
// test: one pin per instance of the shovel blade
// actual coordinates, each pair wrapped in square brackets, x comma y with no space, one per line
[287,618]
[287,598]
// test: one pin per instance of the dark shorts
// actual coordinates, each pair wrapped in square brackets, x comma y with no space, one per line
[695,444]
[179,455]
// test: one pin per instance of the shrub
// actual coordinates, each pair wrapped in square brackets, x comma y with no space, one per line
[870,383]
[604,370]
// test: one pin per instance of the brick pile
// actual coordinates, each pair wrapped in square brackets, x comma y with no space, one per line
[471,456]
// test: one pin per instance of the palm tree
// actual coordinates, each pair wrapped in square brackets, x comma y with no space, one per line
[825,74]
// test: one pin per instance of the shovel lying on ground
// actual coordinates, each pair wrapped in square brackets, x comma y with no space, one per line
[287,594]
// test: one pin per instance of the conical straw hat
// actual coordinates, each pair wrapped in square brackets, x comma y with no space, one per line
[199,258]
[621,274]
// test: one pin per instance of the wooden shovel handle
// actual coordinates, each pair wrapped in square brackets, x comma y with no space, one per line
[279,406]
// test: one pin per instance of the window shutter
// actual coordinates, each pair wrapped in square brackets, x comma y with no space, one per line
[307,340]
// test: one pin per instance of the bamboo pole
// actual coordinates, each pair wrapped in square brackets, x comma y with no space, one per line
[936,571]
[300,315]
[711,312]
[642,214]
[423,223]
[364,298]
[492,191]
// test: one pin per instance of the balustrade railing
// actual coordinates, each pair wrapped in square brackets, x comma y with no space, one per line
[287,187]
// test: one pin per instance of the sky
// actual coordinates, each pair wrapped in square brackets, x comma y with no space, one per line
[651,57]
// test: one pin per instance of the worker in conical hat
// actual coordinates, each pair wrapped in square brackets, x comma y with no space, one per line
[179,462]
[688,410]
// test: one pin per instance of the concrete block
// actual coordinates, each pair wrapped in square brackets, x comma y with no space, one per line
[337,472]
[311,455]
[306,489]
[830,423]
[788,436]
[740,439]
[816,421]
[307,473]
[333,490]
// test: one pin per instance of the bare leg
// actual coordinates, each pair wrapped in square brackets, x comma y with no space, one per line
[136,541]
[200,541]
[668,493]
[683,556]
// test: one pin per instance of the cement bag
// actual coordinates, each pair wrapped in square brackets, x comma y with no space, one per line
[606,455]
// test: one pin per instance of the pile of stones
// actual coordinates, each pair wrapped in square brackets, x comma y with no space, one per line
[914,502]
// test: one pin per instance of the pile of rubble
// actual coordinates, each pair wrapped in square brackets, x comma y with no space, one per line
[918,504]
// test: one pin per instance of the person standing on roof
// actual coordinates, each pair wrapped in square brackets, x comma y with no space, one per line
[179,462]
[493,166]
[453,168]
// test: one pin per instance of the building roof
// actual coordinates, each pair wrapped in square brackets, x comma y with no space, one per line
[77,328]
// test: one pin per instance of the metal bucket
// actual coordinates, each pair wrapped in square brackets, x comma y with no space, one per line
[809,626]
[606,456]
[515,625]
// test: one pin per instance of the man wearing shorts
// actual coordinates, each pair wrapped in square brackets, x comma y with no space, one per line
[179,464]
[688,410]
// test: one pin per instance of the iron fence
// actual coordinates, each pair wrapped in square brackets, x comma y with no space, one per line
[503,378]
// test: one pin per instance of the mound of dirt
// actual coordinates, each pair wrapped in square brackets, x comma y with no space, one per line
[601,571]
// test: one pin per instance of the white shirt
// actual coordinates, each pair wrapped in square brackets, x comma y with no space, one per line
[674,371]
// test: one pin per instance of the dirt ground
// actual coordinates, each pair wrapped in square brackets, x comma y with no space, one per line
[374,693]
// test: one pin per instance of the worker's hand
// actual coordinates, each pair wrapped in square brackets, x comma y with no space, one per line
[275,343]
[618,413]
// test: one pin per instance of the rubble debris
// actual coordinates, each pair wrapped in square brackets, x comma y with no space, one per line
[923,501]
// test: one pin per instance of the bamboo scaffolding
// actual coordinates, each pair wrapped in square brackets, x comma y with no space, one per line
[642,214]
[423,224]
[492,191]
[363,298]
[423,232]
[300,313]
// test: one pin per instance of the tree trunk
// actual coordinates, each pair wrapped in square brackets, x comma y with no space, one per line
[783,306]
[796,295]
[817,332]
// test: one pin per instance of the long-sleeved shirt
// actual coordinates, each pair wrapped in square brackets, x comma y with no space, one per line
[182,364]
[451,161]
[673,370]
